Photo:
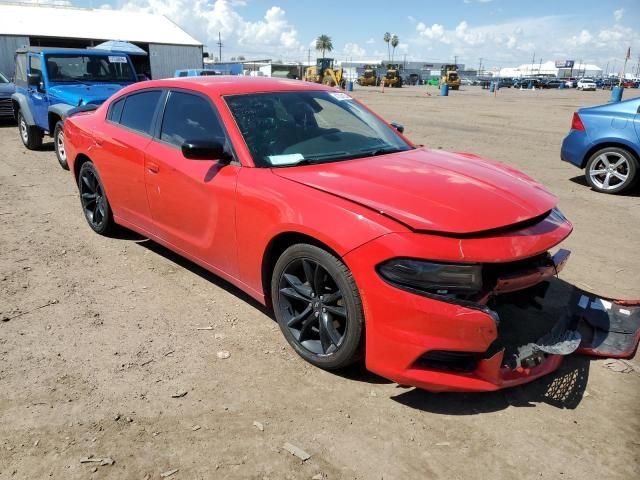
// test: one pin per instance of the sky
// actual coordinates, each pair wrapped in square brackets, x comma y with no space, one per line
[500,32]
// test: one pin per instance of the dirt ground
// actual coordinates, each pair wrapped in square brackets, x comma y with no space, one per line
[104,332]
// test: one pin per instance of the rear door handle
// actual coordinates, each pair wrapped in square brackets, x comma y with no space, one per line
[152,167]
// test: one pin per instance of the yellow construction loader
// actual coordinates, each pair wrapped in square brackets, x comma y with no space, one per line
[392,78]
[325,73]
[449,75]
[369,78]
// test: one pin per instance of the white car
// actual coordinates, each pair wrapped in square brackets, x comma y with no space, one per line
[586,84]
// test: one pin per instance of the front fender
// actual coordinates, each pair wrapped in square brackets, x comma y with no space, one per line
[57,110]
[23,106]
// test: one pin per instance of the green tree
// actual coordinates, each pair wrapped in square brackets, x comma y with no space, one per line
[387,39]
[323,43]
[394,43]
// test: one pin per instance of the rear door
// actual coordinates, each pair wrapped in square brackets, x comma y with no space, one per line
[636,121]
[123,138]
[192,202]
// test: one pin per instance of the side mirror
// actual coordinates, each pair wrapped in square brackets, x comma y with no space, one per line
[206,150]
[34,79]
[397,126]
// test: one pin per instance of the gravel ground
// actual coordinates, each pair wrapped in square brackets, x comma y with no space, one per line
[104,334]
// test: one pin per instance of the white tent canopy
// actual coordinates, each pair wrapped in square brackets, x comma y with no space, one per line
[549,68]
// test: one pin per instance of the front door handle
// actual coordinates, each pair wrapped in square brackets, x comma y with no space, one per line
[152,167]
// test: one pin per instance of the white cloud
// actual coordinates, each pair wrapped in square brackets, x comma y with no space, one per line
[583,38]
[272,35]
[434,32]
[354,50]
[371,41]
[618,14]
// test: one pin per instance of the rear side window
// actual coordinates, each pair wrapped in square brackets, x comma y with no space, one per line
[189,117]
[21,68]
[138,110]
[115,110]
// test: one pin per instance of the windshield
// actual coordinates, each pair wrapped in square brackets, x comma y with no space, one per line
[89,68]
[3,79]
[291,128]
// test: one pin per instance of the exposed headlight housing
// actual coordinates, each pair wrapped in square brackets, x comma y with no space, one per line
[432,277]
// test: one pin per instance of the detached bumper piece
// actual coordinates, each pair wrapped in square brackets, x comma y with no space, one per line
[609,328]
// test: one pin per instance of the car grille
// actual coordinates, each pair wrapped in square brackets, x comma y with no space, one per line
[6,107]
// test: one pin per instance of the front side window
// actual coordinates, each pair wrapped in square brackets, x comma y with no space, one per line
[139,109]
[290,128]
[89,68]
[189,117]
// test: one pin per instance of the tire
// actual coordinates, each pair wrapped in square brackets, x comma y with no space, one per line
[327,80]
[309,279]
[58,142]
[30,135]
[611,170]
[93,200]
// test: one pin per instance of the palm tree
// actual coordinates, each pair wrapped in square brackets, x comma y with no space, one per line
[323,43]
[387,39]
[394,43]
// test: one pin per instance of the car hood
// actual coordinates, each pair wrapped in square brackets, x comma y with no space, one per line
[428,190]
[84,93]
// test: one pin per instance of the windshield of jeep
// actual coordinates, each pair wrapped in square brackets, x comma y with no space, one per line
[89,68]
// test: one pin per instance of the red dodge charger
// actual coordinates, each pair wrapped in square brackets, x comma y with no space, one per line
[364,244]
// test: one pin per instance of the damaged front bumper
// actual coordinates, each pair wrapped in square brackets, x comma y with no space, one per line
[515,332]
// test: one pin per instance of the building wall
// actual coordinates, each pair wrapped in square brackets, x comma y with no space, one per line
[8,46]
[166,59]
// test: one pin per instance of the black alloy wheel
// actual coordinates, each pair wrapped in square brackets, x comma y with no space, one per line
[93,199]
[318,306]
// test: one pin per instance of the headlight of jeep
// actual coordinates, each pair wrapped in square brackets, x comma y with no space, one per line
[433,277]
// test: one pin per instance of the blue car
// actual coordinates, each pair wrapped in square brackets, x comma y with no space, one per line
[50,82]
[605,141]
[6,90]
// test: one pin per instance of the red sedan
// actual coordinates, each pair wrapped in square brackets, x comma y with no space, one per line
[364,244]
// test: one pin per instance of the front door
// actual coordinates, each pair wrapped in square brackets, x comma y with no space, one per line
[192,202]
[38,98]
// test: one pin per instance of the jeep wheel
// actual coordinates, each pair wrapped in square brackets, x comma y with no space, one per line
[58,141]
[30,135]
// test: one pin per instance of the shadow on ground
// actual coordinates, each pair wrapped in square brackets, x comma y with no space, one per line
[562,389]
[580,180]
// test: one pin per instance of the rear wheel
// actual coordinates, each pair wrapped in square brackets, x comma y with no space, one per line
[30,135]
[58,141]
[611,170]
[318,306]
[93,199]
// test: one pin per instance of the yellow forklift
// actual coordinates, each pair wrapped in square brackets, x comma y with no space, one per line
[325,73]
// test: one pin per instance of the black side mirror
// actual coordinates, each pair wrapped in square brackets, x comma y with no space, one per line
[206,150]
[34,79]
[397,126]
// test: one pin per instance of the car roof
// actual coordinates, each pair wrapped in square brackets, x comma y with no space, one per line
[231,84]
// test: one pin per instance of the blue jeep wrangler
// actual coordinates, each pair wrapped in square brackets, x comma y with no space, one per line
[51,82]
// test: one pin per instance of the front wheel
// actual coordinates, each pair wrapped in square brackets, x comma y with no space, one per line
[30,135]
[611,170]
[93,199]
[58,142]
[318,306]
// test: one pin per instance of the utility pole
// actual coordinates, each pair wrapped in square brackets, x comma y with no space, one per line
[219,48]
[455,60]
[540,66]
[480,67]
[309,58]
[606,72]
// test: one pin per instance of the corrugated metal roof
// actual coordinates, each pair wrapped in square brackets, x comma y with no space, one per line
[99,24]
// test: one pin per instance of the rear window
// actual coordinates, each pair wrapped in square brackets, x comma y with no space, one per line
[115,110]
[138,110]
